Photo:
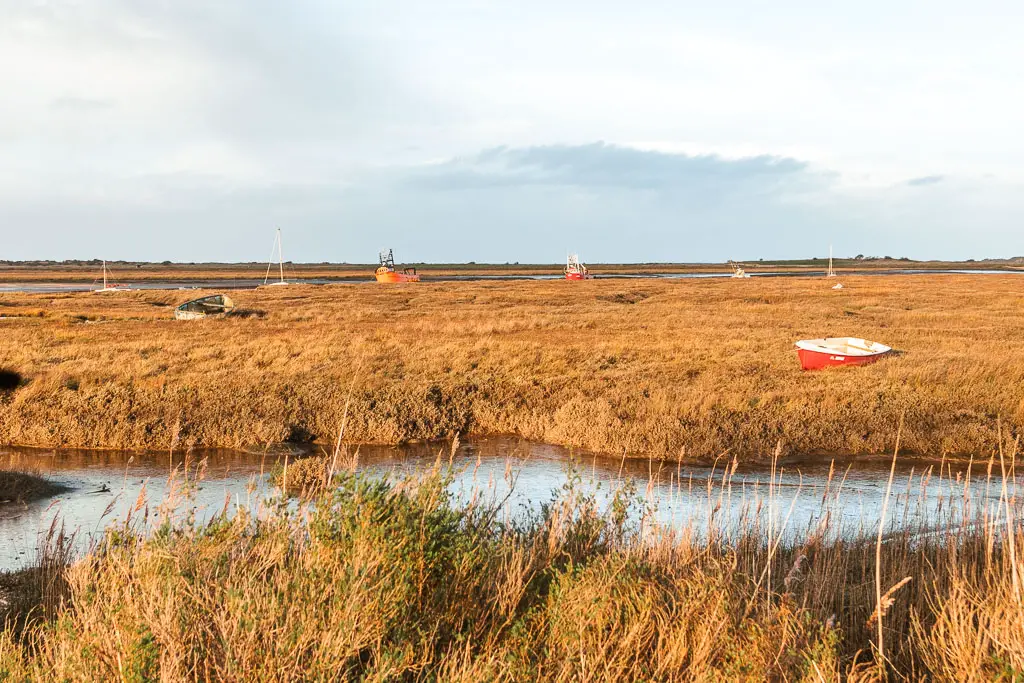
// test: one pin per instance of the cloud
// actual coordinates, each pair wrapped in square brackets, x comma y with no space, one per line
[186,129]
[605,166]
[609,202]
[925,180]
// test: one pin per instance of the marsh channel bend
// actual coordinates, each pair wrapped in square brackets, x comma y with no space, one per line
[104,486]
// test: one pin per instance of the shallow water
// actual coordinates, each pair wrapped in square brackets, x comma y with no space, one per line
[243,283]
[104,486]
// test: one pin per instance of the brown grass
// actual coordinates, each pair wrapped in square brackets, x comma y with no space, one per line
[382,582]
[663,368]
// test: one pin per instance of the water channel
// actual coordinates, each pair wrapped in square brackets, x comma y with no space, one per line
[102,487]
[58,286]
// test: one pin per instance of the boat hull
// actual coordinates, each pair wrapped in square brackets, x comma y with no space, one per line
[823,353]
[816,360]
[392,277]
[578,276]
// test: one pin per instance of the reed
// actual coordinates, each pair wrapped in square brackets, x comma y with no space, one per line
[382,580]
[36,595]
[656,368]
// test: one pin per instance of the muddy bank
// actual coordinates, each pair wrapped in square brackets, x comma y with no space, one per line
[132,417]
[25,487]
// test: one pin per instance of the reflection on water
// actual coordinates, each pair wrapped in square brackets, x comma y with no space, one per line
[791,500]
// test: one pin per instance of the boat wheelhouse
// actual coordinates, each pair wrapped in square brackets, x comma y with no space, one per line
[386,271]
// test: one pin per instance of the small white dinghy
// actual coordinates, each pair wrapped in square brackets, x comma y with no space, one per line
[822,353]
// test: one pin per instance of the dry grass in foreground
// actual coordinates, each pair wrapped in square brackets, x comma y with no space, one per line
[652,367]
[377,581]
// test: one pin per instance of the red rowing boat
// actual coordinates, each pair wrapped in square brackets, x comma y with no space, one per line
[822,353]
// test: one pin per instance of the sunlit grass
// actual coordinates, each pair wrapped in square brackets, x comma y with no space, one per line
[663,368]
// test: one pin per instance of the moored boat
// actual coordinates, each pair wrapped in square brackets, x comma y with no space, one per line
[279,248]
[822,353]
[110,286]
[574,270]
[387,272]
[738,271]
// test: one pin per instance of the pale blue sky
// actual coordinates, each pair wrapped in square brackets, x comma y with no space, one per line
[458,130]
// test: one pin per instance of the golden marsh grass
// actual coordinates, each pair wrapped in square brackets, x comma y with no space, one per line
[668,368]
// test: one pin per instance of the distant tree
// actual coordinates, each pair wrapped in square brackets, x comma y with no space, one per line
[887,258]
[904,258]
[859,257]
[165,263]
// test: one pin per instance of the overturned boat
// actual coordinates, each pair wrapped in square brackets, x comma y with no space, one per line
[822,353]
[387,272]
[206,307]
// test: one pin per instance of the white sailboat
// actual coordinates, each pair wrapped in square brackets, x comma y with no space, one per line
[110,286]
[831,272]
[280,263]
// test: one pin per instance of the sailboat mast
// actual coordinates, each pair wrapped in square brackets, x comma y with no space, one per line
[270,261]
[280,253]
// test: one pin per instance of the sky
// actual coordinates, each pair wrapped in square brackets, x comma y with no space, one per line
[477,130]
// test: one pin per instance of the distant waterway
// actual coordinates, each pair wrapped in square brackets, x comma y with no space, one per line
[55,287]
[104,487]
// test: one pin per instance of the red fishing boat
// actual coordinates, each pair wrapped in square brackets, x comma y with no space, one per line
[386,272]
[574,270]
[822,353]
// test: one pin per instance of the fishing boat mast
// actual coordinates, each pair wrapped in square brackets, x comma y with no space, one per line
[831,272]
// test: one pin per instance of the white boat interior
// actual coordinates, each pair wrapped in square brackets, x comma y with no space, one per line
[844,346]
